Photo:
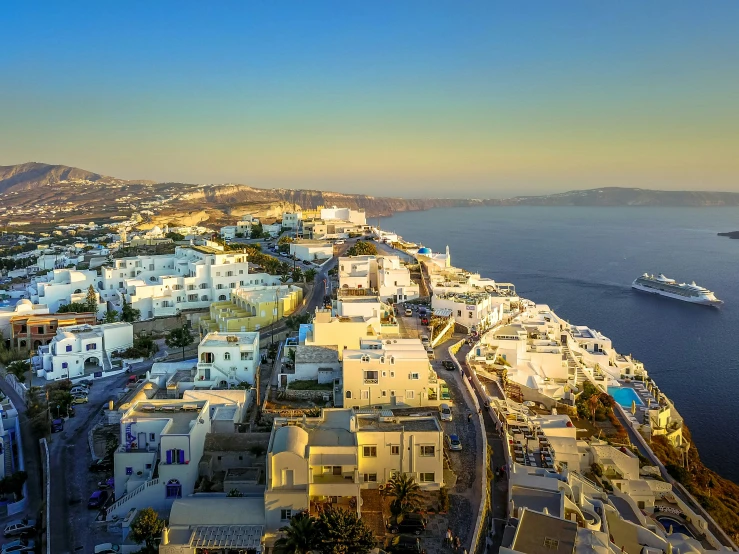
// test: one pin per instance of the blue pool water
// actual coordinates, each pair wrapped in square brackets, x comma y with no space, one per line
[625,396]
[677,526]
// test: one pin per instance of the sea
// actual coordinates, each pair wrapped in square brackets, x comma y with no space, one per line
[581,262]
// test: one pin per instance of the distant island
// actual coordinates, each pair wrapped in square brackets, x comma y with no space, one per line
[730,234]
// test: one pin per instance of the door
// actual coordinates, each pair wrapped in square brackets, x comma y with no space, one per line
[288,477]
[283,381]
[336,470]
[142,440]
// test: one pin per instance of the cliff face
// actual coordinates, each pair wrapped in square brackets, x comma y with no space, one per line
[34,186]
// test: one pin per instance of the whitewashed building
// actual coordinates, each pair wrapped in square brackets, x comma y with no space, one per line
[83,350]
[311,250]
[341,452]
[227,359]
[191,278]
[60,286]
[390,372]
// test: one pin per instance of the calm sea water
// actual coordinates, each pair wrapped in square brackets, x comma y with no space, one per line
[581,261]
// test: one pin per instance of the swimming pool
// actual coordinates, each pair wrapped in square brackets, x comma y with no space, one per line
[677,526]
[625,396]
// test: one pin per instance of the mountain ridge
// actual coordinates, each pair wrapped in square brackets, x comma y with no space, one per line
[34,185]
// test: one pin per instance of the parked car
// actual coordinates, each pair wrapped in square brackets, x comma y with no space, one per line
[79,390]
[453,442]
[21,527]
[80,399]
[424,321]
[86,383]
[407,523]
[57,426]
[19,545]
[446,412]
[102,464]
[403,544]
[448,365]
[431,354]
[425,341]
[339,242]
[408,312]
[107,548]
[97,499]
[108,483]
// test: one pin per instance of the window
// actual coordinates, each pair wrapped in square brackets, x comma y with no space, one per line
[286,515]
[392,374]
[459,313]
[384,393]
[64,365]
[232,285]
[190,287]
[129,471]
[218,273]
[409,394]
[348,394]
[246,356]
[469,315]
[69,348]
[414,377]
[227,356]
[426,477]
[365,395]
[222,298]
[152,437]
[91,346]
[370,377]
[365,358]
[370,477]
[550,543]
[428,450]
[395,449]
[369,451]
[203,285]
[220,286]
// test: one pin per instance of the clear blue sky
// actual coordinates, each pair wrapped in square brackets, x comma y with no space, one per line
[406,98]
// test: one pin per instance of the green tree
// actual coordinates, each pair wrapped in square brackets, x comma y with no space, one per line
[111,316]
[179,338]
[310,275]
[362,248]
[19,368]
[300,537]
[74,307]
[176,237]
[297,275]
[146,528]
[405,492]
[129,314]
[257,231]
[342,532]
[91,300]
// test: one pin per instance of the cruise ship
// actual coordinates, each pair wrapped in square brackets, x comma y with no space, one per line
[664,286]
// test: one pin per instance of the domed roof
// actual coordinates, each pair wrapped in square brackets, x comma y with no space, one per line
[290,439]
[424,250]
[24,302]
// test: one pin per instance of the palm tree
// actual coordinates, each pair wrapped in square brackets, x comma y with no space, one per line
[300,537]
[406,492]
[284,278]
[310,275]
[342,532]
[593,403]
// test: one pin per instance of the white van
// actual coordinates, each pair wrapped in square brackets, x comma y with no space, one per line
[430,352]
[446,412]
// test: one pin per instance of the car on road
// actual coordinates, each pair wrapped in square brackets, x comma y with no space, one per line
[21,527]
[107,548]
[339,242]
[80,399]
[19,545]
[408,312]
[78,390]
[453,442]
[284,254]
[102,464]
[57,426]
[306,262]
[108,483]
[424,321]
[448,365]
[446,412]
[406,523]
[403,544]
[430,353]
[425,340]
[97,499]
[444,393]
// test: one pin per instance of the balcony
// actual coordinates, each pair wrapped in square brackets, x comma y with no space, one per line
[371,381]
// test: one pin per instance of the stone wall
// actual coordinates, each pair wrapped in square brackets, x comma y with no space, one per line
[315,395]
[164,324]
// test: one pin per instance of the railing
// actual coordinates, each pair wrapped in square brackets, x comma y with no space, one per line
[130,495]
[370,381]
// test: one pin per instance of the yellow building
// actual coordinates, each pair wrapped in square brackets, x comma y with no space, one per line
[251,308]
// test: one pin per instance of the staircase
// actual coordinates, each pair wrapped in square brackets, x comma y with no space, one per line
[130,438]
[573,367]
[8,455]
[126,497]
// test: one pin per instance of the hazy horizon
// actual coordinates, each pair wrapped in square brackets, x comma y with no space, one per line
[411,99]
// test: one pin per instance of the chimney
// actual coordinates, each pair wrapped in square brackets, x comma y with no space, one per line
[165,535]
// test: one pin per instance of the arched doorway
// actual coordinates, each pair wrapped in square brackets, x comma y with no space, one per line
[207,357]
[174,489]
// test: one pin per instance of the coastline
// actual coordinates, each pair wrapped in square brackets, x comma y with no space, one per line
[708,492]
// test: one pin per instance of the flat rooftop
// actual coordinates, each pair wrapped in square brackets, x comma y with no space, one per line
[229,339]
[371,423]
[179,413]
[537,499]
[542,534]
[316,354]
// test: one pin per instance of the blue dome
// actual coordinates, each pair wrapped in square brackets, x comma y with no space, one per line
[424,250]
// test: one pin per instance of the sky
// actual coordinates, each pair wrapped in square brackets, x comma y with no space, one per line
[400,98]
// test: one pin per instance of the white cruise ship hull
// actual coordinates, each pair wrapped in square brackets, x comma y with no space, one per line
[703,300]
